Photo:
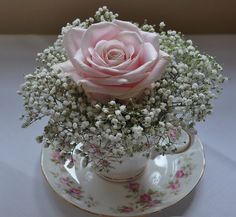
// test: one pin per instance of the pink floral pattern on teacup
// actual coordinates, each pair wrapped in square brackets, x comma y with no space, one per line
[55,157]
[134,186]
[145,198]
[179,174]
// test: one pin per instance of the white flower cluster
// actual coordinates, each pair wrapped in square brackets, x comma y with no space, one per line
[108,131]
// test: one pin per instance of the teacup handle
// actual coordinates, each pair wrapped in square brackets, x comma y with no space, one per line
[181,145]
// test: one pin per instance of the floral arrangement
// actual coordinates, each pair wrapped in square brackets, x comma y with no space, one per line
[118,88]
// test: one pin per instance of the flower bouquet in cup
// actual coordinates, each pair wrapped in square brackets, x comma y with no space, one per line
[115,90]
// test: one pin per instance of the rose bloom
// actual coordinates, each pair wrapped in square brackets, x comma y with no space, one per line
[64,180]
[134,186]
[113,59]
[56,156]
[75,191]
[179,174]
[145,198]
[126,209]
[153,203]
[174,185]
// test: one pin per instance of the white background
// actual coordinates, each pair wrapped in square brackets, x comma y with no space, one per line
[25,193]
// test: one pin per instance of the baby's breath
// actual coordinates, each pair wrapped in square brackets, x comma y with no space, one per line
[108,131]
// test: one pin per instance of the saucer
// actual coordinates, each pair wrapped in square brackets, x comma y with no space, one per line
[165,181]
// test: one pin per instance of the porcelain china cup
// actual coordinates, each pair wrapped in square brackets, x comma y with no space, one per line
[165,181]
[132,167]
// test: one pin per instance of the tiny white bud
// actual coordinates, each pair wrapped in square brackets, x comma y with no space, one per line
[195,86]
[122,108]
[112,102]
[162,24]
[127,117]
[117,112]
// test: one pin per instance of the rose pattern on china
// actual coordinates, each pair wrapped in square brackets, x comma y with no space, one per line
[55,157]
[113,59]
[125,209]
[134,186]
[179,174]
[174,185]
[71,188]
[145,198]
[138,197]
[64,180]
[183,173]
[141,199]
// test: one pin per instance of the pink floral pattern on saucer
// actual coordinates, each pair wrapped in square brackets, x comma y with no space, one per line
[140,200]
[72,188]
[185,170]
[165,181]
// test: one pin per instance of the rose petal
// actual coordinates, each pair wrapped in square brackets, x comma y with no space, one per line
[68,68]
[65,66]
[127,26]
[123,65]
[103,46]
[107,47]
[103,69]
[151,37]
[153,76]
[91,87]
[72,41]
[98,32]
[143,56]
[149,53]
[119,81]
[129,51]
[96,57]
[75,76]
[84,69]
[130,38]
[148,58]
[135,60]
[97,54]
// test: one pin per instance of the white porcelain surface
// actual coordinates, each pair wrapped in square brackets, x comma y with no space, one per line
[130,167]
[166,180]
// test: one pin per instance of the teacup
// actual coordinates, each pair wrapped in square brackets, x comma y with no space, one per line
[129,168]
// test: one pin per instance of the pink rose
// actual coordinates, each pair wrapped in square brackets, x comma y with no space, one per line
[179,174]
[134,186]
[126,209]
[153,203]
[75,191]
[174,185]
[113,59]
[145,198]
[64,180]
[55,156]
[105,163]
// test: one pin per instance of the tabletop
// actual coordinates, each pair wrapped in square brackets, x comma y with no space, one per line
[25,193]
